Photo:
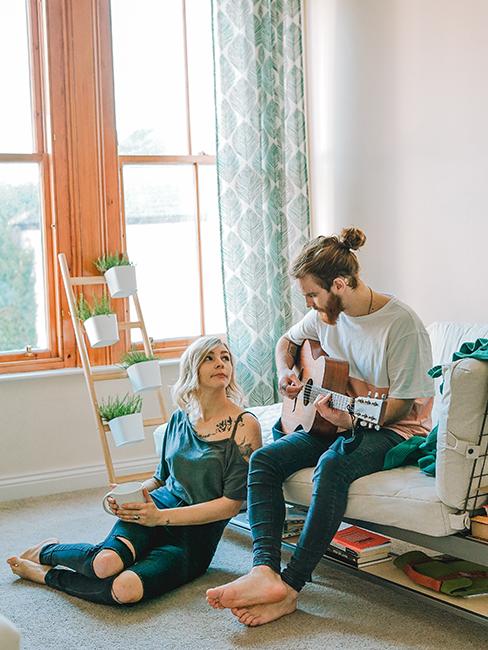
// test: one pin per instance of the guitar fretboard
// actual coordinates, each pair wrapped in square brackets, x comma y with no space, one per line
[339,401]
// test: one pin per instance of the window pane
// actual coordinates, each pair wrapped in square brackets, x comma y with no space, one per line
[161,241]
[200,76]
[15,108]
[211,251]
[149,76]
[22,290]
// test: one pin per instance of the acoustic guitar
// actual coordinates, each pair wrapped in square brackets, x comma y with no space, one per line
[322,375]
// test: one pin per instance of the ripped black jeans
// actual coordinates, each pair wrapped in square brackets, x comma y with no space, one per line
[166,556]
[337,465]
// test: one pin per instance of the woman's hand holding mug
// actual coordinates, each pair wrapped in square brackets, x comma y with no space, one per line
[145,514]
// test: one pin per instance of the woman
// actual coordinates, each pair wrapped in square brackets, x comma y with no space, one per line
[198,486]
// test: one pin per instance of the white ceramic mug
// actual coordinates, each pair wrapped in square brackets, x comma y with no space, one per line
[124,493]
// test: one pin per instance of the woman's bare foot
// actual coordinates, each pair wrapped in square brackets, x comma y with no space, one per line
[28,569]
[33,552]
[260,585]
[260,614]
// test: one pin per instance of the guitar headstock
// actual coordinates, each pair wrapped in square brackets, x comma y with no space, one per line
[369,409]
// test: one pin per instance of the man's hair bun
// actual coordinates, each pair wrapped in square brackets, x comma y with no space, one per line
[352,238]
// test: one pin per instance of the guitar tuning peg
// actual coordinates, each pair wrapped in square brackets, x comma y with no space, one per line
[362,423]
[370,426]
[369,393]
[383,395]
[376,395]
[377,427]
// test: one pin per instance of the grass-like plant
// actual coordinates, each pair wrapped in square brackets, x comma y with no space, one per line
[135,356]
[114,407]
[99,307]
[106,262]
[83,309]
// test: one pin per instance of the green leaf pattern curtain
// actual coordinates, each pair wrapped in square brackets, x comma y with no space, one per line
[262,178]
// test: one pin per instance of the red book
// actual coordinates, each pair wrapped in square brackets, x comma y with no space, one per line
[359,540]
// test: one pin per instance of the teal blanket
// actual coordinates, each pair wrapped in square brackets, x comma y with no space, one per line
[421,451]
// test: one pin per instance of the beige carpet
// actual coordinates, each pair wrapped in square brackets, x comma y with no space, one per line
[337,611]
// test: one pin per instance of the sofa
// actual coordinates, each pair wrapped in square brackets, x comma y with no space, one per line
[404,503]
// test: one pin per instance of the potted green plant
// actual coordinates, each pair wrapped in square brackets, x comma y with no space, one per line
[142,370]
[99,321]
[119,273]
[123,416]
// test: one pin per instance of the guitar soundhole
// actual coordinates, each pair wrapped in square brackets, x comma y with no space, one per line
[307,391]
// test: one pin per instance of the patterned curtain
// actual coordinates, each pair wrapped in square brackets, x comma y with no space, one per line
[262,178]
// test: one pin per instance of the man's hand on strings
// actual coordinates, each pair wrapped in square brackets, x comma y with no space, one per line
[341,419]
[289,385]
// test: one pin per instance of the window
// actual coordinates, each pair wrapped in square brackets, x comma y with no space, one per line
[28,328]
[107,143]
[163,82]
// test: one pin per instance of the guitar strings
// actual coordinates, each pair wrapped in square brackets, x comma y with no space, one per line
[311,391]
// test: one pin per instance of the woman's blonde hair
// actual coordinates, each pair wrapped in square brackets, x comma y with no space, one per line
[185,391]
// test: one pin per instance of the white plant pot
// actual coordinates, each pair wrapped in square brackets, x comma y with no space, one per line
[127,428]
[121,281]
[102,330]
[144,376]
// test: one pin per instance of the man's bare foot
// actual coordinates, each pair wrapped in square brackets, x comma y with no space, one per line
[28,569]
[260,585]
[260,614]
[33,552]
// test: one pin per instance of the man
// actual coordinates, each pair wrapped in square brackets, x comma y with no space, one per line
[388,351]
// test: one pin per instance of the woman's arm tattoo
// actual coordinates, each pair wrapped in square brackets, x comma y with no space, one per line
[245,448]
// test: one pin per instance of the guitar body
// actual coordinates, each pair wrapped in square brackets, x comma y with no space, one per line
[314,368]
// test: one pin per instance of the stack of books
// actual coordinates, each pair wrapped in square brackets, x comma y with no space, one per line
[358,547]
[294,521]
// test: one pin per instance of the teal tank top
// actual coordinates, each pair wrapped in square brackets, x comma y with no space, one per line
[195,470]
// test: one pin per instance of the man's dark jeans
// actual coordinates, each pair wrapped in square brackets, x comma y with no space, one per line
[337,465]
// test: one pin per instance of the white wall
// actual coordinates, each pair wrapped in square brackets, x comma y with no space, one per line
[398,138]
[49,440]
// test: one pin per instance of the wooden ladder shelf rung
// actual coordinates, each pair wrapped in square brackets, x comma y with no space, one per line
[88,279]
[91,377]
[109,375]
[127,325]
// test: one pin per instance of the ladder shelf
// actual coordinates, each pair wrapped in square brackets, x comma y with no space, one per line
[92,377]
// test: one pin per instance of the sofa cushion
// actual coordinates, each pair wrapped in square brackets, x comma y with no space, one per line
[446,338]
[459,410]
[401,497]
[461,417]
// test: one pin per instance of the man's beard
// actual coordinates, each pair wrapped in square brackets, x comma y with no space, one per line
[332,309]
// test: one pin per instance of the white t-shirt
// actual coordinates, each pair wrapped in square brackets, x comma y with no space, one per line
[388,352]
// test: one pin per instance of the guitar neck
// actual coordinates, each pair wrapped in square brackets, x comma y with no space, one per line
[338,400]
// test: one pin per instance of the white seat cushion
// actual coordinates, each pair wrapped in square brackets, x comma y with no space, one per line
[401,497]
